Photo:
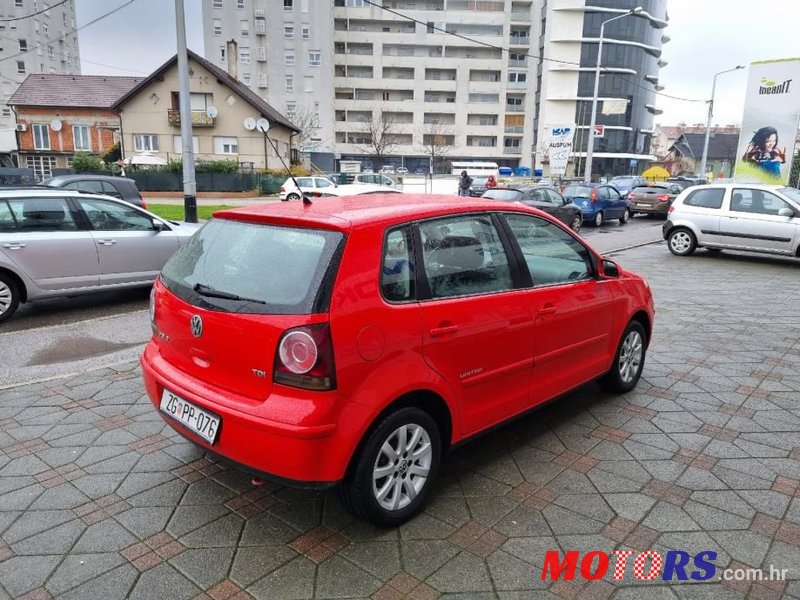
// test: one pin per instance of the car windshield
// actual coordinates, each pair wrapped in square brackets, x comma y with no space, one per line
[508,195]
[791,193]
[267,268]
[577,191]
[479,180]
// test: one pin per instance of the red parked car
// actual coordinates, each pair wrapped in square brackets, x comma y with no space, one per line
[350,343]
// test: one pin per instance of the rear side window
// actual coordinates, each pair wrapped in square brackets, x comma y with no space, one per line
[577,191]
[397,274]
[507,195]
[42,214]
[705,198]
[256,268]
[7,222]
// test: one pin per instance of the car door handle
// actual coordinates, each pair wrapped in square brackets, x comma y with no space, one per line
[106,242]
[13,245]
[547,310]
[443,330]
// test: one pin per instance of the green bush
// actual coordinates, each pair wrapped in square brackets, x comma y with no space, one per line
[174,166]
[217,166]
[296,170]
[83,161]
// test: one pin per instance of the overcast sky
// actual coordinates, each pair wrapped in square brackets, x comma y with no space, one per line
[707,36]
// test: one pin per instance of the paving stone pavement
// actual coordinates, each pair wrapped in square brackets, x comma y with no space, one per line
[99,499]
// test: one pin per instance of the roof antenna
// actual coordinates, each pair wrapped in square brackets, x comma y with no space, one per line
[263,126]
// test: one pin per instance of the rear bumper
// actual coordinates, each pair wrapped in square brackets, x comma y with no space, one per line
[662,210]
[665,228]
[314,453]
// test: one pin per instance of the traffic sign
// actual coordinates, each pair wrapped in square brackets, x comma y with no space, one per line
[599,131]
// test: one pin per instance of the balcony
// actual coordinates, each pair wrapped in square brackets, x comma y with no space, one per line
[260,27]
[199,118]
[515,129]
[519,17]
[512,150]
[517,63]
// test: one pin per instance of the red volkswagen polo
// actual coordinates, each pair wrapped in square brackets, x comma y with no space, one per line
[352,342]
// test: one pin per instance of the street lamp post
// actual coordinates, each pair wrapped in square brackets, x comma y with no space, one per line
[711,114]
[587,174]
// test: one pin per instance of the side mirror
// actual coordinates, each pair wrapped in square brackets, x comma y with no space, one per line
[159,226]
[786,212]
[610,269]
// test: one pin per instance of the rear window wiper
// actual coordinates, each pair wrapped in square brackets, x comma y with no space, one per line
[210,292]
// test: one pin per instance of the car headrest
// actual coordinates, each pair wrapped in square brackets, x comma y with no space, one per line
[43,211]
[459,252]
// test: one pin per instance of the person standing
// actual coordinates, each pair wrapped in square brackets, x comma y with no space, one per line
[464,184]
[491,182]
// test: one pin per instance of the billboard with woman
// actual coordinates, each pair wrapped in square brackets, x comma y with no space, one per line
[769,125]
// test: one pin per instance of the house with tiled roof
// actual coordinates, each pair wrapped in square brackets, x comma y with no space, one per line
[224,112]
[59,115]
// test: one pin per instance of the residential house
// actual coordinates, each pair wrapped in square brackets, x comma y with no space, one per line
[224,113]
[686,153]
[59,115]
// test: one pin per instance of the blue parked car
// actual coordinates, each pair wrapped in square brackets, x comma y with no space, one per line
[598,202]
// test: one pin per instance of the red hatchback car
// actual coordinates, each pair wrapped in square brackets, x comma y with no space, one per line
[352,343]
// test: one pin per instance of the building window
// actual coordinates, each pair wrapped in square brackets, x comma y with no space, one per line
[288,32]
[145,142]
[246,78]
[177,144]
[18,3]
[222,53]
[51,53]
[244,24]
[80,135]
[23,45]
[289,83]
[217,26]
[45,30]
[288,4]
[244,55]
[305,32]
[6,112]
[308,84]
[291,109]
[42,166]
[216,4]
[240,4]
[288,58]
[515,77]
[314,58]
[355,3]
[20,66]
[41,137]
[226,145]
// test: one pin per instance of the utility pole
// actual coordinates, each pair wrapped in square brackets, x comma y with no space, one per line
[704,159]
[189,183]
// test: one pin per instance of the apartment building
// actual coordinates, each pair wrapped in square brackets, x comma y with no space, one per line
[456,79]
[39,40]
[285,50]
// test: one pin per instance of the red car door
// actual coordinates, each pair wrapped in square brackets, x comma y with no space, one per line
[477,329]
[573,311]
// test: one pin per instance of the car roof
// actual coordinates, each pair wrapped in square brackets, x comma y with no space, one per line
[89,176]
[753,184]
[345,212]
[43,192]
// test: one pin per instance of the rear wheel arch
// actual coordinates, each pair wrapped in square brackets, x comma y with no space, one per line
[426,400]
[23,291]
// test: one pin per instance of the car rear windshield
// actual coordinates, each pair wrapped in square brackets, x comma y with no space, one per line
[233,266]
[507,195]
[643,189]
[577,191]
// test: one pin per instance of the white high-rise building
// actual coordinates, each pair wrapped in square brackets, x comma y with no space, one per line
[464,79]
[38,40]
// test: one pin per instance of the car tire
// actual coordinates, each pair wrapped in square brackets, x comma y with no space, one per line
[9,297]
[598,219]
[626,216]
[681,241]
[369,492]
[292,196]
[628,360]
[576,223]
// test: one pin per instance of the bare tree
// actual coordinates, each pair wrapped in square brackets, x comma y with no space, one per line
[437,140]
[380,132]
[307,122]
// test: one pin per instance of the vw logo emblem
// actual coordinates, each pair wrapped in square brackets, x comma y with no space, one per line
[196,325]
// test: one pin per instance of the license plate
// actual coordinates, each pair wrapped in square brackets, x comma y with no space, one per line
[642,206]
[194,418]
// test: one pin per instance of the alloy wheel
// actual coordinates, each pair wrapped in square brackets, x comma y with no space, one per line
[6,297]
[576,223]
[402,467]
[630,356]
[681,242]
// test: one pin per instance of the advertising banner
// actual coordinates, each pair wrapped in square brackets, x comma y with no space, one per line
[769,125]
[559,147]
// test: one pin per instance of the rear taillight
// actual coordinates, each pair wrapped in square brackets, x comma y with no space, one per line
[671,208]
[144,204]
[304,358]
[662,198]
[594,196]
[153,307]
[283,190]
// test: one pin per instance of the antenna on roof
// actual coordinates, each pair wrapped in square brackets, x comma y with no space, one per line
[263,126]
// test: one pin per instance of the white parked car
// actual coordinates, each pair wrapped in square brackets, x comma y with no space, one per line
[374,179]
[358,189]
[735,216]
[289,190]
[402,170]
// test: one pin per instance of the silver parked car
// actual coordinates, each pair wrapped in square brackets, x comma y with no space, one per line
[735,216]
[64,243]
